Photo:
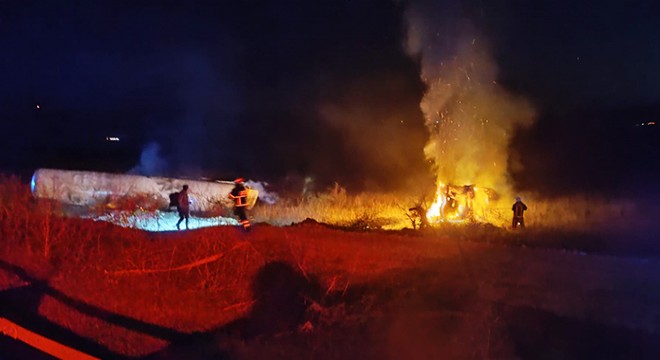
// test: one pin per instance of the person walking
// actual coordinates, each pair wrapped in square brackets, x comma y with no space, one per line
[518,208]
[239,195]
[183,206]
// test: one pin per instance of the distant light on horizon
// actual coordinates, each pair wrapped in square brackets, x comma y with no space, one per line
[112,138]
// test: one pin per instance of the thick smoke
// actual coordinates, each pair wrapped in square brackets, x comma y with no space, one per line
[471,119]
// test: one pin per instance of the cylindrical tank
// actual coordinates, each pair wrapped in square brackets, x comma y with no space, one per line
[87,188]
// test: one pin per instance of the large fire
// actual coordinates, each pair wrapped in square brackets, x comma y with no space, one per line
[470,117]
[466,203]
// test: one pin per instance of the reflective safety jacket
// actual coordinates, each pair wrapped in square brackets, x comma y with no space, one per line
[239,195]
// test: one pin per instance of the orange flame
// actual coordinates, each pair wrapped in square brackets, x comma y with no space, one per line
[457,204]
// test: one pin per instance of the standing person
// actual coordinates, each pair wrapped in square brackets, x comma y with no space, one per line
[183,206]
[518,208]
[239,195]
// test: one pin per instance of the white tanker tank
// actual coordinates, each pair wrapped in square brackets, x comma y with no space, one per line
[87,188]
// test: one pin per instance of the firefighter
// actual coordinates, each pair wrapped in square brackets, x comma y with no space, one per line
[518,208]
[239,195]
[183,206]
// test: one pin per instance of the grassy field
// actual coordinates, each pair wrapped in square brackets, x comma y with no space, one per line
[336,284]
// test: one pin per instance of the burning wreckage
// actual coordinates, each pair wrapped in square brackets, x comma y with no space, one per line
[466,203]
[98,190]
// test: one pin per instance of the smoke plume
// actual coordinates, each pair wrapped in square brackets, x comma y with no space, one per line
[470,118]
[151,162]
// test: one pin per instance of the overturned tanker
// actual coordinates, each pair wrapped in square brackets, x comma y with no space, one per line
[92,189]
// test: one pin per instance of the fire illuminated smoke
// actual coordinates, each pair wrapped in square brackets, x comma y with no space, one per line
[470,118]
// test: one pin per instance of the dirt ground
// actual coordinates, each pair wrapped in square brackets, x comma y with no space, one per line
[314,292]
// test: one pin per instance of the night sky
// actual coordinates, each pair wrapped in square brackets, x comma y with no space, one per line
[275,89]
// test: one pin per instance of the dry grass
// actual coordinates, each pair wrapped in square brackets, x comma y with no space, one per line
[579,212]
[392,211]
[201,280]
[340,209]
[160,278]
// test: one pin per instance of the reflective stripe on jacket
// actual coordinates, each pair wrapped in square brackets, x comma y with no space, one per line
[239,195]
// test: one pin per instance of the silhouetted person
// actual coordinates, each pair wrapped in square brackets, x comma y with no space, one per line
[518,208]
[183,206]
[239,195]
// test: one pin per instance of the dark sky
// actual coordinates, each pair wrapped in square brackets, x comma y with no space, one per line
[267,89]
[590,68]
[577,53]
